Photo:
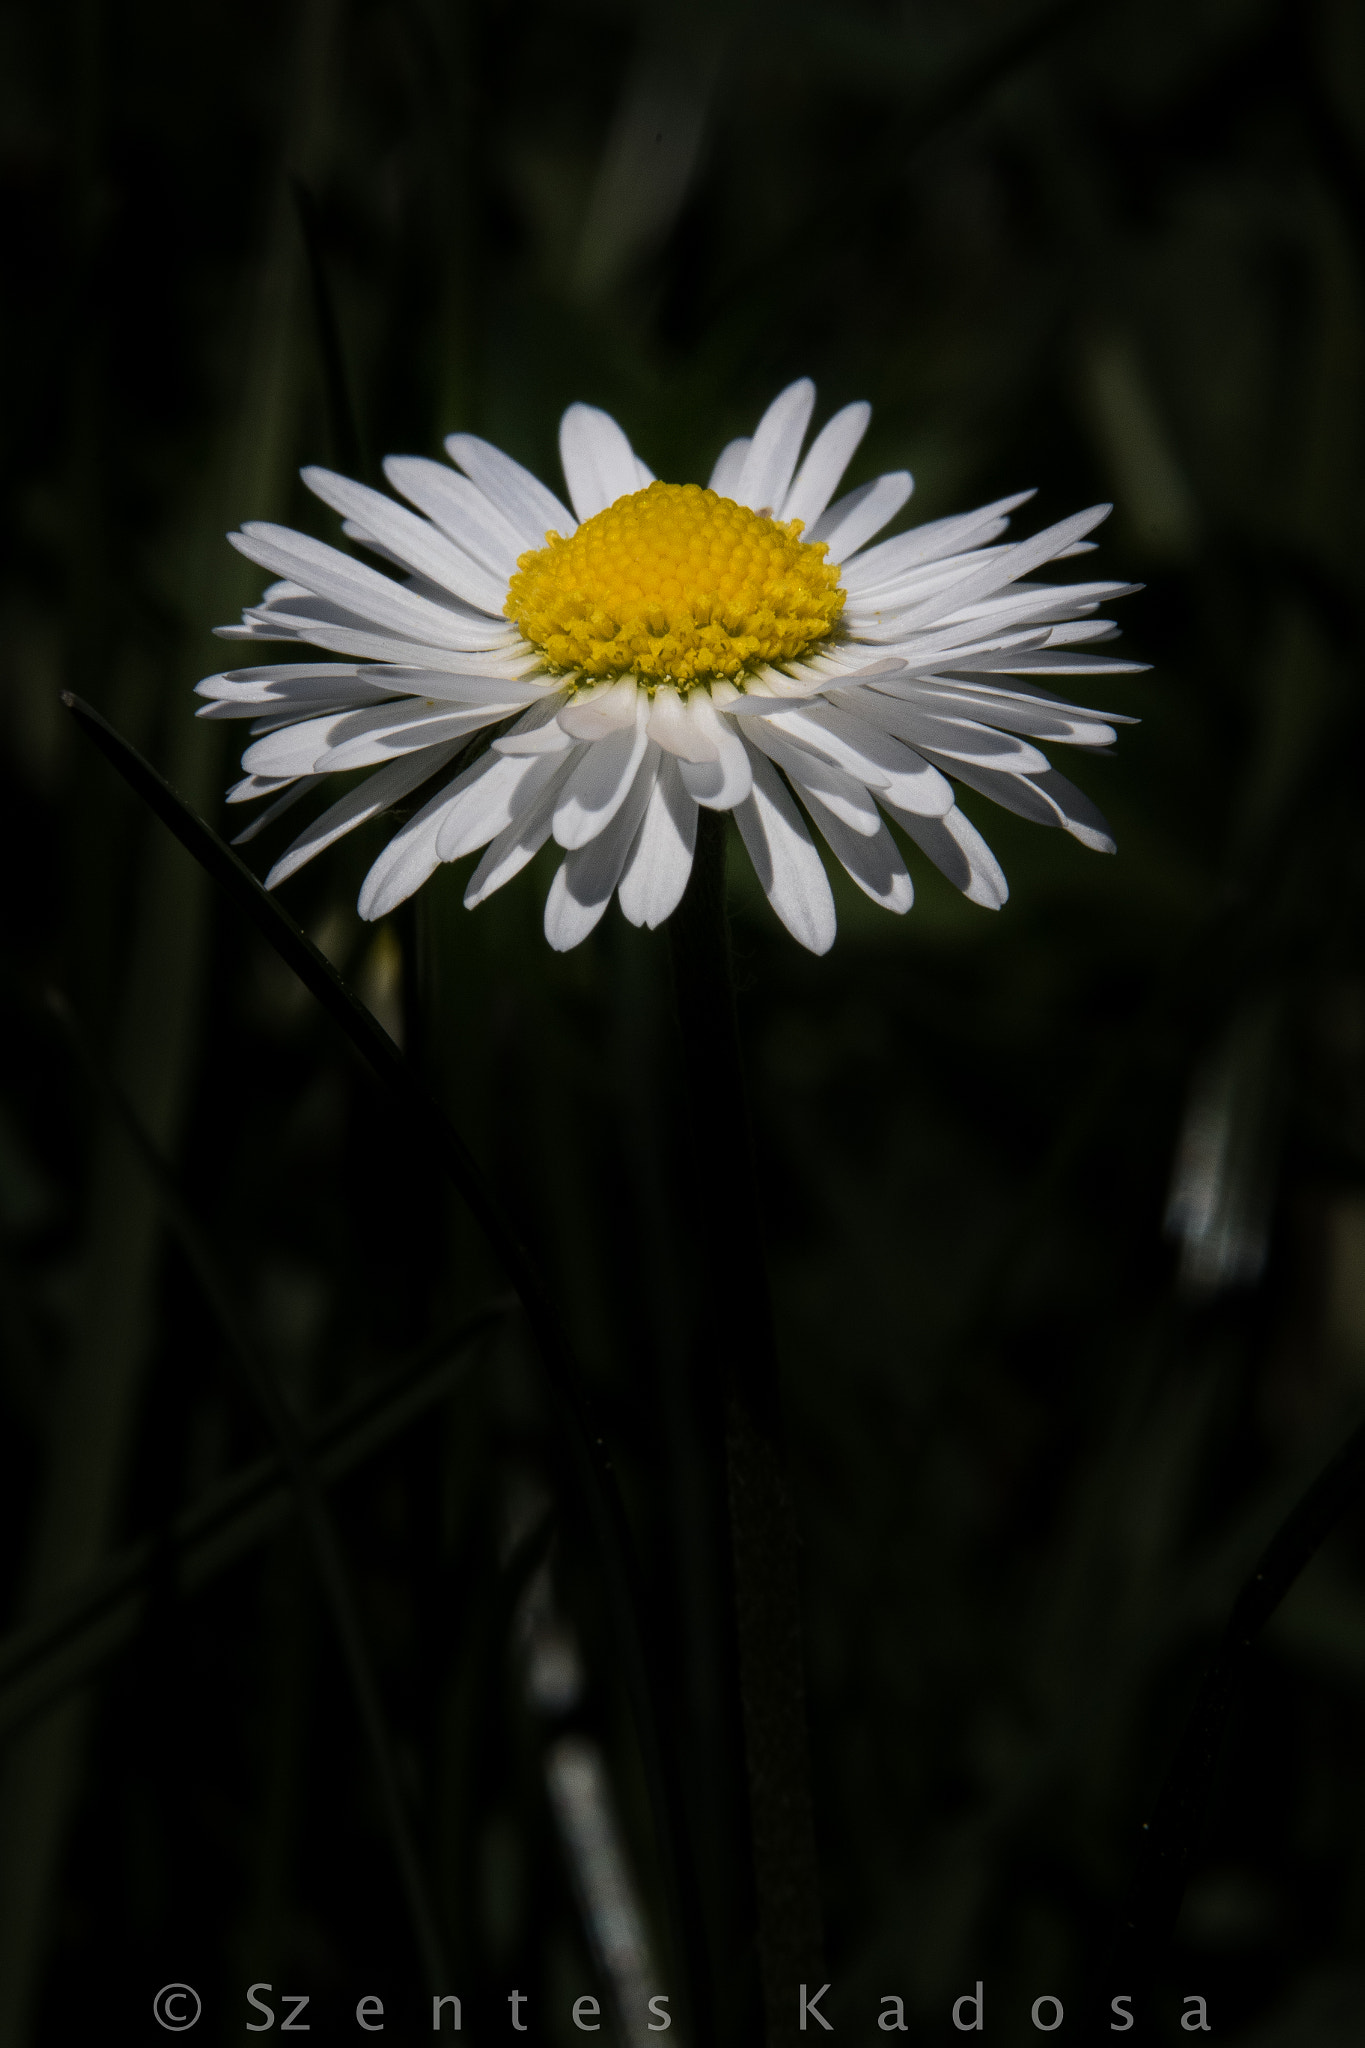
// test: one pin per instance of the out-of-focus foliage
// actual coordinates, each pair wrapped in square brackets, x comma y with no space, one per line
[1065,1207]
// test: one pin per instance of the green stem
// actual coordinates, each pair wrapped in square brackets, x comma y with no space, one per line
[763,1538]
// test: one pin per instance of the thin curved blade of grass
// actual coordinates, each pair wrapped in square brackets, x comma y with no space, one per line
[1171,1835]
[343,421]
[588,1462]
[61,1647]
[314,1513]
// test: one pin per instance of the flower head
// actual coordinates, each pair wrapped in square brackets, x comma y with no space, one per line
[663,647]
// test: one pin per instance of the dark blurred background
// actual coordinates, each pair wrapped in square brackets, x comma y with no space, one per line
[1065,1207]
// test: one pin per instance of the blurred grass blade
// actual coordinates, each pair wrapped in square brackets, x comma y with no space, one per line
[343,420]
[1172,1834]
[1224,1174]
[652,149]
[587,1459]
[296,1457]
[62,1646]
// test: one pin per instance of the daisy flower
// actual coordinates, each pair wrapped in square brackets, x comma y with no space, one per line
[747,646]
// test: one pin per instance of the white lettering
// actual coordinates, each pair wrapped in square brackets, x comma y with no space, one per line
[261,2006]
[977,2001]
[892,2022]
[1196,2022]
[586,2013]
[370,2015]
[291,2023]
[1122,2005]
[812,2006]
[658,2005]
[1047,2026]
[517,1999]
[438,2006]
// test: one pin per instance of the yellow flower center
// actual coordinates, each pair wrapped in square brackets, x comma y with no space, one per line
[675,584]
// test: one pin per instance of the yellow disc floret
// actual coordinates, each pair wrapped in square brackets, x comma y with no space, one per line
[675,584]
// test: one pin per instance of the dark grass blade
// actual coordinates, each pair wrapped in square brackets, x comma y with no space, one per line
[313,1511]
[343,420]
[1172,1834]
[589,1466]
[61,1647]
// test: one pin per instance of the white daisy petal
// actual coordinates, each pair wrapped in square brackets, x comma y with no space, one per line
[854,519]
[583,885]
[498,786]
[929,543]
[386,786]
[600,783]
[1080,817]
[1009,565]
[292,792]
[826,460]
[1046,799]
[789,869]
[958,851]
[818,779]
[899,588]
[368,750]
[959,739]
[951,653]
[1041,718]
[261,713]
[729,463]
[286,682]
[796,683]
[252,787]
[674,726]
[871,756]
[599,462]
[452,687]
[721,783]
[943,621]
[362,591]
[460,509]
[293,749]
[423,585]
[873,860]
[531,509]
[362,739]
[1063,664]
[521,840]
[538,730]
[606,708]
[413,542]
[660,861]
[410,858]
[319,626]
[770,460]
